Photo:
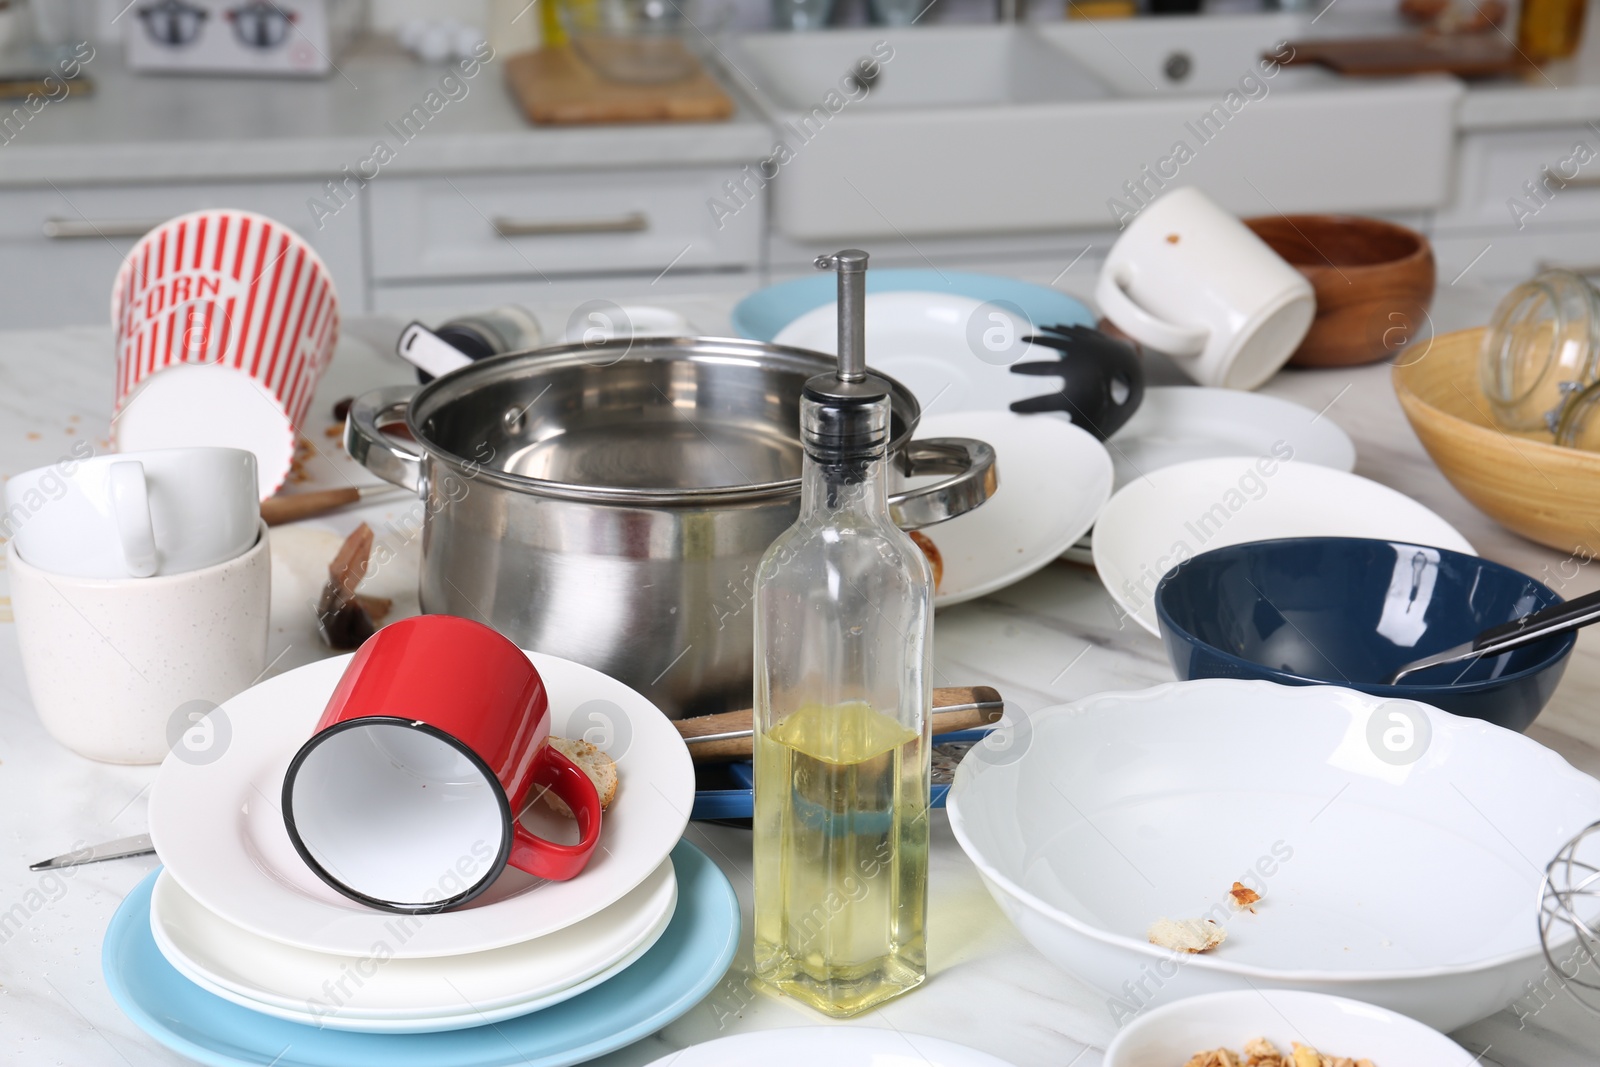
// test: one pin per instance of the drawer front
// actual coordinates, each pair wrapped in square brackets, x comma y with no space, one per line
[437,301]
[561,224]
[1499,260]
[60,247]
[1502,181]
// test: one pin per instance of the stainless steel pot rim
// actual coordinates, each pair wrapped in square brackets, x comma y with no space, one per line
[727,349]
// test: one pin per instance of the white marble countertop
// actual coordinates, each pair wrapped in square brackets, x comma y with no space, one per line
[143,127]
[1048,639]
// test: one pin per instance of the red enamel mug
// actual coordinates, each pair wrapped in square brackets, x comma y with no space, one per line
[406,796]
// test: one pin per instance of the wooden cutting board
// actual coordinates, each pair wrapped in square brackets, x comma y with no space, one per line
[554,87]
[1478,55]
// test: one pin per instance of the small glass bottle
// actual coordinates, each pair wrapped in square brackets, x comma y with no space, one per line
[843,638]
[1550,29]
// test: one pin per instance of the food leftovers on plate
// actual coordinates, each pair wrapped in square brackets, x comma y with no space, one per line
[600,768]
[1187,935]
[1259,1052]
[1243,896]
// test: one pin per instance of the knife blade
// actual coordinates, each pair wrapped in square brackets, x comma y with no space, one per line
[121,848]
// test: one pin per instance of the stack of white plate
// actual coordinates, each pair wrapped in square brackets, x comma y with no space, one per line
[238,913]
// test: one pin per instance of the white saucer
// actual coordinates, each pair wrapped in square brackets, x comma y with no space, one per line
[218,828]
[843,1045]
[930,343]
[376,993]
[1156,521]
[1178,423]
[1054,478]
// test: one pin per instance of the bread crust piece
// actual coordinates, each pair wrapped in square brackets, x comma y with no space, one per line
[593,762]
[1186,935]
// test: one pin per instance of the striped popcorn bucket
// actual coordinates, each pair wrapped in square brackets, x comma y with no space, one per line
[225,322]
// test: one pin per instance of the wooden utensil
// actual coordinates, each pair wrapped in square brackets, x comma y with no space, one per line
[726,737]
[1465,55]
[1373,281]
[1528,484]
[291,507]
[555,87]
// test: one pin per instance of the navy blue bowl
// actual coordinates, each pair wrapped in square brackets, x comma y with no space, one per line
[1350,611]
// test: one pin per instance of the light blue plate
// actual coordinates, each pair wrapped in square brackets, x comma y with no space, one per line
[762,314]
[682,967]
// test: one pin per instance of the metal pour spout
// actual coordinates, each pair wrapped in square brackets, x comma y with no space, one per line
[851,264]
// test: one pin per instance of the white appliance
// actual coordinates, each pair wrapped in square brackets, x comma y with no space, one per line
[277,37]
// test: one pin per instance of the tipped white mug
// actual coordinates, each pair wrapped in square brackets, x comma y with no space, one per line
[1189,279]
[122,670]
[135,514]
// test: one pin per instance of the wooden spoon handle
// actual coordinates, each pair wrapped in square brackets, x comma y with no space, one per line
[296,506]
[726,737]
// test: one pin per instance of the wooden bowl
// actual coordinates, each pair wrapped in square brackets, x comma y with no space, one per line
[1540,490]
[1373,281]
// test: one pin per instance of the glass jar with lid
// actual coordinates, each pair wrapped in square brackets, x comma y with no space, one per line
[1541,348]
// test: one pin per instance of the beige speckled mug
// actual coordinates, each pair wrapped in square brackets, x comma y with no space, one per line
[112,663]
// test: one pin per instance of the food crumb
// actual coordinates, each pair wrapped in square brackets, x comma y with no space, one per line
[1243,897]
[34,435]
[1260,1052]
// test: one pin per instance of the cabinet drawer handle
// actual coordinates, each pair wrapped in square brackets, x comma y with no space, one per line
[76,229]
[633,222]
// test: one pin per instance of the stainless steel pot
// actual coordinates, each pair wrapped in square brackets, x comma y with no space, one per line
[610,503]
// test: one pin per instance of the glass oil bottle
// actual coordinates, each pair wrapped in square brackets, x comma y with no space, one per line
[843,638]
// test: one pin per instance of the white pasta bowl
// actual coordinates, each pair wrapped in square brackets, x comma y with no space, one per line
[1334,1026]
[1398,849]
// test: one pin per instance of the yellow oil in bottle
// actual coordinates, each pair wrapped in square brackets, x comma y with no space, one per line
[1550,29]
[841,860]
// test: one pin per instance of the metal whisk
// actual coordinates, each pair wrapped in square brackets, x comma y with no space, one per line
[1569,900]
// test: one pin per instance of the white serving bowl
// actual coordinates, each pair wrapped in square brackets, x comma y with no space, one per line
[1166,1037]
[1408,879]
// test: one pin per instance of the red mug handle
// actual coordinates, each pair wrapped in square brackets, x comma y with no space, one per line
[546,859]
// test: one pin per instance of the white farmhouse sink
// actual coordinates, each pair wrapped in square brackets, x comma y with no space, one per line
[984,129]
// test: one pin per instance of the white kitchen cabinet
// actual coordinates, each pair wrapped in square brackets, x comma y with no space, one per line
[61,245]
[559,224]
[1501,182]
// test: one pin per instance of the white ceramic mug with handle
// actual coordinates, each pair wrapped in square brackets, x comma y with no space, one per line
[1189,279]
[135,514]
[122,669]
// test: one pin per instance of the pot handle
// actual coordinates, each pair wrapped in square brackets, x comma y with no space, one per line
[973,479]
[385,456]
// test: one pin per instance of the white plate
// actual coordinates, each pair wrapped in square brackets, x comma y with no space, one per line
[923,341]
[842,1046]
[218,828]
[1177,424]
[1157,521]
[1054,478]
[1335,1026]
[1412,885]
[378,993]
